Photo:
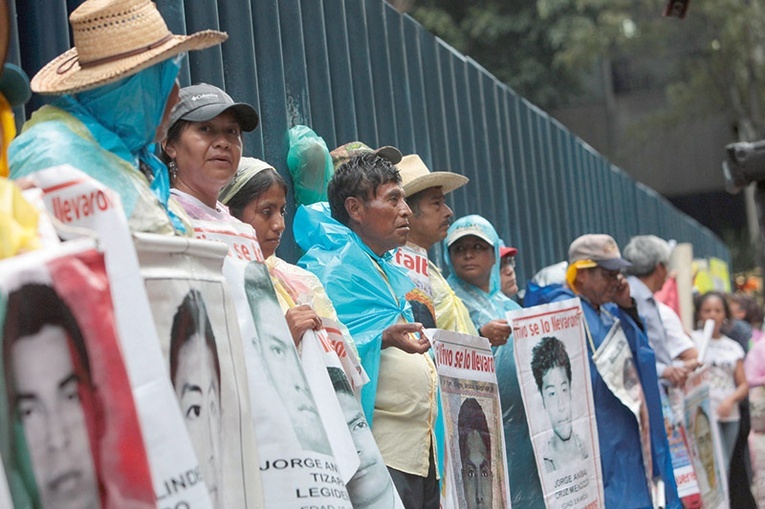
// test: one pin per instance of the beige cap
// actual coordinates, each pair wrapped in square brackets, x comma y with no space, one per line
[600,248]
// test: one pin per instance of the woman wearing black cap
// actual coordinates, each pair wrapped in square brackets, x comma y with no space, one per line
[203,148]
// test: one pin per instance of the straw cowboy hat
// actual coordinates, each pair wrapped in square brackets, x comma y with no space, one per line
[416,177]
[114,39]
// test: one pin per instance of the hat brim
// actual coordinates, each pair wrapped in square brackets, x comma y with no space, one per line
[614,263]
[446,180]
[14,85]
[392,154]
[458,236]
[507,251]
[245,114]
[49,80]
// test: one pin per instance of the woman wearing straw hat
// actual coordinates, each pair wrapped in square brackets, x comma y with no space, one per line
[116,87]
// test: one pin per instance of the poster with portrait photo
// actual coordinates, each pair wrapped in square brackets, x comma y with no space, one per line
[704,441]
[296,458]
[5,491]
[69,431]
[79,201]
[615,364]
[551,357]
[475,465]
[199,337]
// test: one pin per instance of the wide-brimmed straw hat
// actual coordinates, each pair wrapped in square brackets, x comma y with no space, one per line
[114,39]
[416,177]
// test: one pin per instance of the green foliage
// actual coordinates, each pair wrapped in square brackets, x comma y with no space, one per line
[712,61]
[508,39]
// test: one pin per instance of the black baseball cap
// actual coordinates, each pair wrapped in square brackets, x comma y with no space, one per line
[203,102]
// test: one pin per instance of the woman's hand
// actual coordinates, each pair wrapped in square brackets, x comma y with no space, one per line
[301,319]
[496,331]
[725,408]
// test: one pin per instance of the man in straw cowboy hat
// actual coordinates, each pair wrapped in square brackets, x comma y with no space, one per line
[116,88]
[425,193]
[594,275]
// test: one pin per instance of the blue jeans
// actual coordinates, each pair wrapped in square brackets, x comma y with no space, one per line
[728,434]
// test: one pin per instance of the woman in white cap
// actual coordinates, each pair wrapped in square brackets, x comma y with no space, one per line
[473,257]
[116,87]
[204,146]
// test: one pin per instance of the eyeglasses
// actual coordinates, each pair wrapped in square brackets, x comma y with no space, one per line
[462,249]
[507,260]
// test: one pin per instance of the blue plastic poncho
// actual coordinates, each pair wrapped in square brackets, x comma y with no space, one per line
[619,437]
[483,306]
[525,487]
[350,273]
[106,132]
[362,299]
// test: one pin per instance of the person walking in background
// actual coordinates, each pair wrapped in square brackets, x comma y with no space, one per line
[725,357]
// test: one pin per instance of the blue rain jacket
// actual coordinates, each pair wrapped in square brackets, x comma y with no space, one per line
[105,133]
[620,452]
[483,306]
[362,299]
[525,487]
[348,270]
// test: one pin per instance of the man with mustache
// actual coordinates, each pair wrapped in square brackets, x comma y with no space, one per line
[425,192]
[348,246]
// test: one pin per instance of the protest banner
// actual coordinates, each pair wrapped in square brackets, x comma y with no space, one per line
[414,260]
[614,361]
[296,459]
[349,360]
[77,200]
[682,465]
[70,433]
[316,355]
[475,465]
[706,449]
[5,491]
[550,349]
[757,442]
[197,329]
[370,485]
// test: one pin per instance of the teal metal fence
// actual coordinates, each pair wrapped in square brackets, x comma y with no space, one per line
[359,70]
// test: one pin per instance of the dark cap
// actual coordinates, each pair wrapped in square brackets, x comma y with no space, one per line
[203,102]
[14,85]
[343,153]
